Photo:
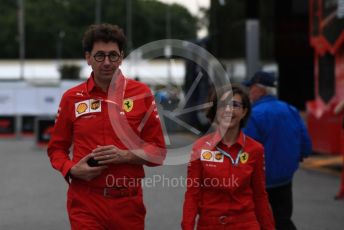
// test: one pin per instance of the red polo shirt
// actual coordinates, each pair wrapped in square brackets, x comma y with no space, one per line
[89,117]
[217,187]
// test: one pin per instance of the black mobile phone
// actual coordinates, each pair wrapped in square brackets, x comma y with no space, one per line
[92,162]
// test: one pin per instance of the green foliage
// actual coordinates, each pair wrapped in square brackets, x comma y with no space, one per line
[8,24]
[227,28]
[45,20]
[71,72]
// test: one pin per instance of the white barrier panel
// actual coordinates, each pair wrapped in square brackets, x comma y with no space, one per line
[7,102]
[67,84]
[22,98]
[48,100]
[26,101]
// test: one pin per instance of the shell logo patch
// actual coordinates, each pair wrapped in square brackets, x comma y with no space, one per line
[207,155]
[244,157]
[212,156]
[128,105]
[87,106]
[81,108]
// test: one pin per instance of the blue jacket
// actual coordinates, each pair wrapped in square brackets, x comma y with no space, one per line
[281,130]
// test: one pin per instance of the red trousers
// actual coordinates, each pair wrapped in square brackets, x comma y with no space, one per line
[90,209]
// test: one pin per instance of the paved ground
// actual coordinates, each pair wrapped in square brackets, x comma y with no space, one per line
[32,195]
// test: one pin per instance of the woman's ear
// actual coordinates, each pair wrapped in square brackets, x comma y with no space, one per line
[244,112]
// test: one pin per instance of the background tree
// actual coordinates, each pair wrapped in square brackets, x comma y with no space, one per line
[8,23]
[54,28]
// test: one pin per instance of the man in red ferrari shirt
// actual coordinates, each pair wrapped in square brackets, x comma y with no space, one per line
[110,124]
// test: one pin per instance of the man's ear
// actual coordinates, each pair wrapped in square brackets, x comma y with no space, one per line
[88,57]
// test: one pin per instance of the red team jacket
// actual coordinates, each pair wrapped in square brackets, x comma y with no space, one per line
[87,117]
[218,188]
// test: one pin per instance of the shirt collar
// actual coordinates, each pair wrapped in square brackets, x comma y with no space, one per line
[91,84]
[265,98]
[241,139]
[217,137]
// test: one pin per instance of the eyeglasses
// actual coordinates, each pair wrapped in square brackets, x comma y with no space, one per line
[113,56]
[234,105]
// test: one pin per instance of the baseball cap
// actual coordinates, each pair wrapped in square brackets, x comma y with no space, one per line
[263,78]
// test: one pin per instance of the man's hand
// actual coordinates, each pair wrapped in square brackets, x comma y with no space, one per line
[110,154]
[82,170]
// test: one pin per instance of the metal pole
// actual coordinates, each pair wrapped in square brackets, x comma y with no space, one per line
[59,47]
[98,12]
[21,33]
[252,47]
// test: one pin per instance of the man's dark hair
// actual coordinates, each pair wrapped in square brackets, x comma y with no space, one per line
[104,33]
[216,94]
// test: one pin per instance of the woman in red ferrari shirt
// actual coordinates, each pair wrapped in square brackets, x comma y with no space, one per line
[226,178]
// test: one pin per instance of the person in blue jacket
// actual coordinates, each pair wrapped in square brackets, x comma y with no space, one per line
[279,127]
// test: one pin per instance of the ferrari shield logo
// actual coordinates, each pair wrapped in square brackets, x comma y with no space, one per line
[128,105]
[244,157]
